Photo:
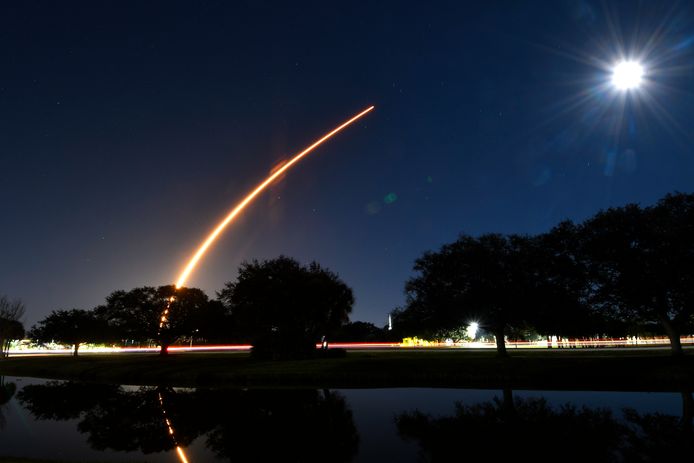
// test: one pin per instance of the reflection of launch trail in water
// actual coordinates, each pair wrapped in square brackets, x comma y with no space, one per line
[256,191]
[169,427]
[242,205]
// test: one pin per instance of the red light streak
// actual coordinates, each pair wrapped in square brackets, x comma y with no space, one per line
[661,342]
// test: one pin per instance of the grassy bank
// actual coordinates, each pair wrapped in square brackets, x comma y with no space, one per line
[595,370]
[31,460]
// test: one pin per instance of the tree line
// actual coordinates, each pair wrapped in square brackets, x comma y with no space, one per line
[624,271]
[278,305]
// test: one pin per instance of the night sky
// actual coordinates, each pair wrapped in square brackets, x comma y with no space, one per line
[128,129]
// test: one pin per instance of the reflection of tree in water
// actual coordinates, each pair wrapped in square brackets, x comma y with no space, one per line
[132,420]
[111,416]
[7,391]
[659,437]
[507,428]
[251,425]
[57,400]
[284,425]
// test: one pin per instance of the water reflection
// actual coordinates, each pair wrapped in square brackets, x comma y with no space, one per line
[169,426]
[243,425]
[7,391]
[511,428]
[314,426]
[319,425]
[113,417]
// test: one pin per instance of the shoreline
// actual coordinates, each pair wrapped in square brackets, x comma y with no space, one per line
[600,371]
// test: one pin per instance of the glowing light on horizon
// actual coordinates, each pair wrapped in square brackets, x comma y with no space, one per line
[406,343]
[627,75]
[277,171]
[471,330]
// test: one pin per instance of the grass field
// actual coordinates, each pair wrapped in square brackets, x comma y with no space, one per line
[559,369]
[31,460]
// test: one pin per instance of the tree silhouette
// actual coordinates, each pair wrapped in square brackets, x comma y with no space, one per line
[10,330]
[11,327]
[212,324]
[561,285]
[488,279]
[360,332]
[73,327]
[285,308]
[642,263]
[136,314]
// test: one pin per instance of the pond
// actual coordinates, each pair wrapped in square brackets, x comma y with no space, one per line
[69,421]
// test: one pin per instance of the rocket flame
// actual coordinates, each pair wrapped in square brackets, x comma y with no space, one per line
[256,191]
[181,454]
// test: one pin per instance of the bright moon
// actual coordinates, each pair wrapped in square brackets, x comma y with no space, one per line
[627,75]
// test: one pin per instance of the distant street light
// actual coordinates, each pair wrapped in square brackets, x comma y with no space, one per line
[471,330]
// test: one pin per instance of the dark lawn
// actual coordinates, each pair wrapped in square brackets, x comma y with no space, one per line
[607,369]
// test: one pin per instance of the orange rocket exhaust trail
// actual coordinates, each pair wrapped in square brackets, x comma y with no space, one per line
[255,192]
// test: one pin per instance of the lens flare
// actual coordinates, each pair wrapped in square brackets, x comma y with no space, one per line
[192,263]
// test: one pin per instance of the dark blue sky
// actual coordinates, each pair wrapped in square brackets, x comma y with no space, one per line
[128,129]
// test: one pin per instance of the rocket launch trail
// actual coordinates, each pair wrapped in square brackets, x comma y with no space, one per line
[214,234]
